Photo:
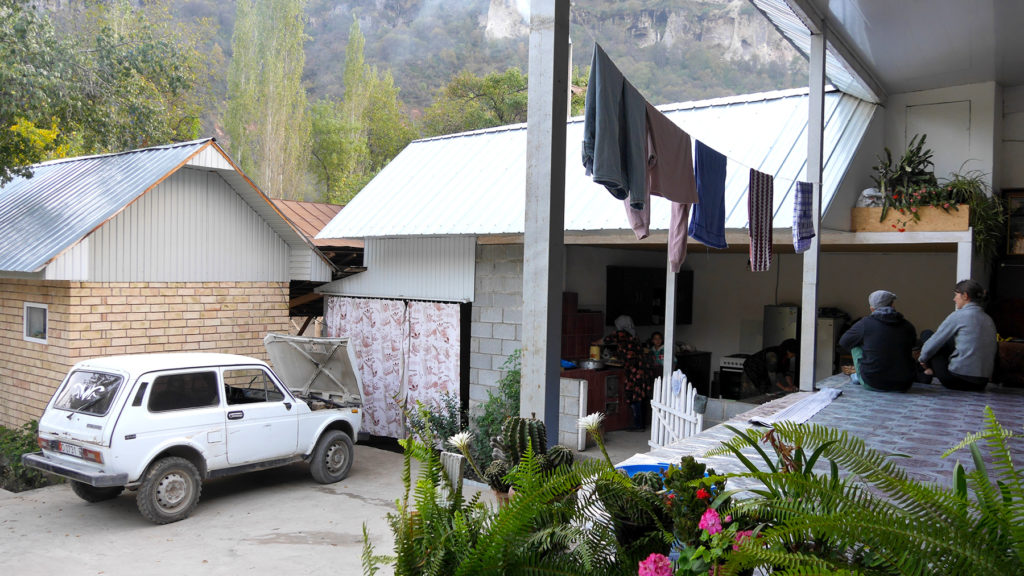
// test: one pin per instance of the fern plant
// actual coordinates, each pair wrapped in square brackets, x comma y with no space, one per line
[553,525]
[877,519]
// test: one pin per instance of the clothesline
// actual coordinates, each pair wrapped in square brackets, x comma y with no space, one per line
[635,151]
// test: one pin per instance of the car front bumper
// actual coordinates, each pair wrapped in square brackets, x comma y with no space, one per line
[81,473]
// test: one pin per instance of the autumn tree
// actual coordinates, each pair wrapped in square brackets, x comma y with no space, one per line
[355,137]
[108,78]
[267,118]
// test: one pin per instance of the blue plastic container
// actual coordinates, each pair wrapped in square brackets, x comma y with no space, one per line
[631,469]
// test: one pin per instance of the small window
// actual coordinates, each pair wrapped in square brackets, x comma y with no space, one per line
[183,391]
[35,322]
[250,385]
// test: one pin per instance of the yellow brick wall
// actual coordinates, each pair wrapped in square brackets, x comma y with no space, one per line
[89,319]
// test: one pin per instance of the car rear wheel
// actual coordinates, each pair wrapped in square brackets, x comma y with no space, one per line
[91,493]
[169,491]
[332,457]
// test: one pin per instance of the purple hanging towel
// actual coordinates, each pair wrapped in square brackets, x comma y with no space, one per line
[708,223]
[803,224]
[759,209]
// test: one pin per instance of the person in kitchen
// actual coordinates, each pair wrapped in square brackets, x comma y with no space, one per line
[773,369]
[882,346]
[657,348]
[638,367]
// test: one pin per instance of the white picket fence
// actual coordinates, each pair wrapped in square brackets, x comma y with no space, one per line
[673,411]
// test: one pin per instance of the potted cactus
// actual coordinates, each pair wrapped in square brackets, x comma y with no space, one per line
[508,448]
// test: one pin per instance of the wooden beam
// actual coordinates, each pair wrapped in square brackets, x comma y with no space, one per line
[304,299]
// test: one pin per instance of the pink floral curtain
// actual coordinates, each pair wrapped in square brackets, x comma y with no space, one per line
[376,332]
[432,353]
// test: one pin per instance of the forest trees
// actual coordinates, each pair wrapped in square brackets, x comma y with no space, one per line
[267,119]
[109,78]
[470,102]
[354,138]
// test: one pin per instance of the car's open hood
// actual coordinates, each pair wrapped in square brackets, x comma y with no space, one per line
[321,366]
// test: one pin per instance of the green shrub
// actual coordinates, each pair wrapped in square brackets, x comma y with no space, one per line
[434,428]
[499,407]
[13,443]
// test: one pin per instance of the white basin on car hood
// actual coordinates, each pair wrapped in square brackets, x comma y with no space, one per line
[323,367]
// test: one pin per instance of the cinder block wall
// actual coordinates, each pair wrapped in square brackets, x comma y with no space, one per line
[497,316]
[86,320]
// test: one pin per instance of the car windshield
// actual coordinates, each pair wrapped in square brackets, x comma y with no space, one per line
[89,392]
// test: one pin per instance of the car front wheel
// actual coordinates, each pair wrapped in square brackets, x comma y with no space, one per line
[332,457]
[169,491]
[91,493]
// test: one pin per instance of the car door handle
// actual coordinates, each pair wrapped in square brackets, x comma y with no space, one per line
[236,415]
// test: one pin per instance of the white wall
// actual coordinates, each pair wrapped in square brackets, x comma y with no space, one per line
[963,123]
[420,268]
[193,227]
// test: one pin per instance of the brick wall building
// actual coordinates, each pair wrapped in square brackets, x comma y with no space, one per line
[89,319]
[163,249]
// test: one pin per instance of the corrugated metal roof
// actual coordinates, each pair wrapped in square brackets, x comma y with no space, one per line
[66,199]
[474,183]
[309,217]
[838,71]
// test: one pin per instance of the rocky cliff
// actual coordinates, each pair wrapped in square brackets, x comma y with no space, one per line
[734,27]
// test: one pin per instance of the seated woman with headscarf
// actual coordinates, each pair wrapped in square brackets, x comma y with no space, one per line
[639,377]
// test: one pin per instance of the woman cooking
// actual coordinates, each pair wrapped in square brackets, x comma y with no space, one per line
[639,371]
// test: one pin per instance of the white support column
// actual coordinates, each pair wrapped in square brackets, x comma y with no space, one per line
[545,211]
[670,320]
[964,252]
[815,137]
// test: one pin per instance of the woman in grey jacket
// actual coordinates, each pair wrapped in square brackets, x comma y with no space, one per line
[962,352]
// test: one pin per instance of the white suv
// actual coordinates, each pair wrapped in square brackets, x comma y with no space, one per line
[161,423]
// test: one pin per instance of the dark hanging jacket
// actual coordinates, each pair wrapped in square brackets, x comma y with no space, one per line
[887,340]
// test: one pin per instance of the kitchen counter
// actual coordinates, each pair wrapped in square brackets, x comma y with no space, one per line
[605,394]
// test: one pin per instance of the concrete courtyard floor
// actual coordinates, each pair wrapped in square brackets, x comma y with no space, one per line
[282,522]
[277,522]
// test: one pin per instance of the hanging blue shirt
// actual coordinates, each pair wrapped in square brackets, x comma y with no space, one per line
[708,223]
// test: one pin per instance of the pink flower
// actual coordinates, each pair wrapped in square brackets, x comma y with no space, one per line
[740,537]
[710,521]
[728,518]
[655,565]
[946,205]
[913,209]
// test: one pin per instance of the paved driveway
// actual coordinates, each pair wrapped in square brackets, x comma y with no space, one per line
[271,522]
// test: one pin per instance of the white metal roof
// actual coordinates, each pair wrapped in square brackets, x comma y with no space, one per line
[474,183]
[66,200]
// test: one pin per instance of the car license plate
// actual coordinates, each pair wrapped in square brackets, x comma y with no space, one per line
[71,449]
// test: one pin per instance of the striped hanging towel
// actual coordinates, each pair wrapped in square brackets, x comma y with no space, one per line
[759,209]
[803,225]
